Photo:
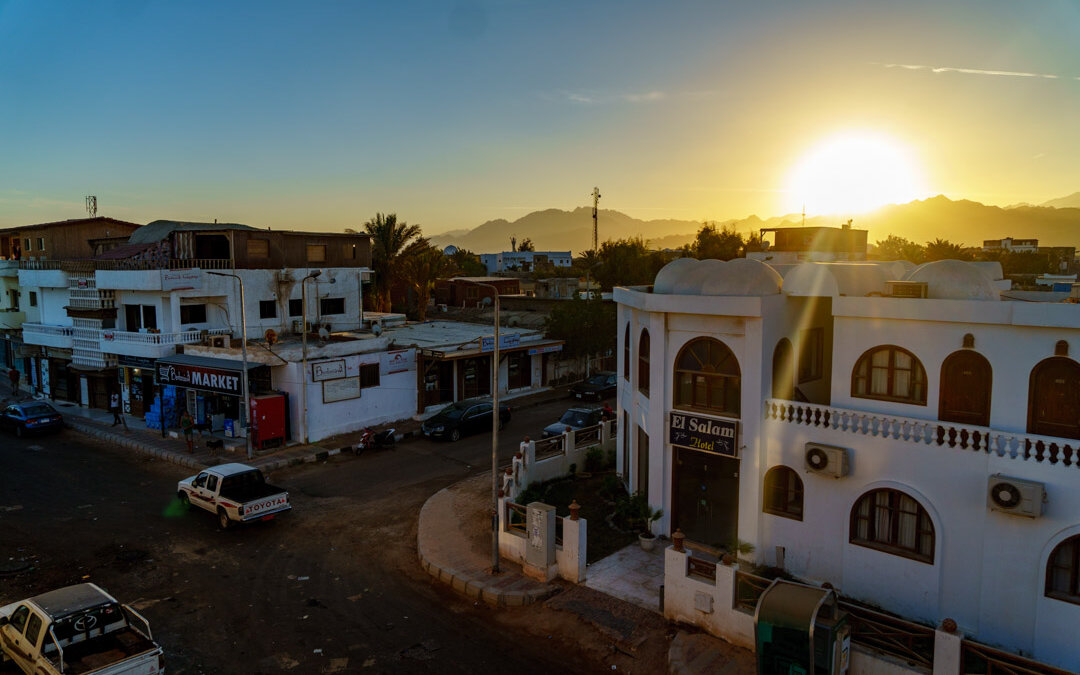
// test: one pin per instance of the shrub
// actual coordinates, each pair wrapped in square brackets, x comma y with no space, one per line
[594,459]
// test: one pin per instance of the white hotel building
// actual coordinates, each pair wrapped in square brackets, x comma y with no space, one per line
[921,454]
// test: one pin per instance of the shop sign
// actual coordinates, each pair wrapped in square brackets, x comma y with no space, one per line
[548,349]
[328,370]
[511,341]
[200,377]
[182,280]
[708,434]
[135,361]
[398,361]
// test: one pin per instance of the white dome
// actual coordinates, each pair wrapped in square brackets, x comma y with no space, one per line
[855,279]
[740,276]
[955,280]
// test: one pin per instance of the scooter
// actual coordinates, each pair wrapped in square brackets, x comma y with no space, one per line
[370,440]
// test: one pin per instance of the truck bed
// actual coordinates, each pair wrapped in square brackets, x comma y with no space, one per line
[99,652]
[249,492]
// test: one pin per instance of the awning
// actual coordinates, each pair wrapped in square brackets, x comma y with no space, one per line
[537,347]
[205,373]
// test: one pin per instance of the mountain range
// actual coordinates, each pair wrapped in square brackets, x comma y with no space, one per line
[1054,223]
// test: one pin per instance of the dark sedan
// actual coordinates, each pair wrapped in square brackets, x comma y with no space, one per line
[596,388]
[30,418]
[462,418]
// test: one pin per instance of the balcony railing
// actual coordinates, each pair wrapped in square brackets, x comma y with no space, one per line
[1051,450]
[40,264]
[201,263]
[45,329]
[179,338]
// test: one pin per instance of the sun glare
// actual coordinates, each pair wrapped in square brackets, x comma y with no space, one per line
[853,173]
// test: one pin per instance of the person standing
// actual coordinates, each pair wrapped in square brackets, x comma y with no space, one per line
[13,375]
[117,412]
[188,425]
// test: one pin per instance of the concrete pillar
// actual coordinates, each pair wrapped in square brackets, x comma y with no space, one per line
[574,550]
[947,641]
[540,547]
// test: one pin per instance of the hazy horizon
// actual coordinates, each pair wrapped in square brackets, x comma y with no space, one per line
[317,116]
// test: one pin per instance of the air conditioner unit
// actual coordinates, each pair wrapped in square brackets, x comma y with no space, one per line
[219,341]
[906,289]
[285,276]
[827,459]
[1015,496]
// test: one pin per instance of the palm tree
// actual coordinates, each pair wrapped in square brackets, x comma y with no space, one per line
[422,266]
[389,240]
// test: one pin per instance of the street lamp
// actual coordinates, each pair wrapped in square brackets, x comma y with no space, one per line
[303,376]
[243,351]
[495,439]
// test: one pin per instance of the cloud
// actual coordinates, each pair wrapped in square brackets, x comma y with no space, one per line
[971,71]
[636,98]
[650,97]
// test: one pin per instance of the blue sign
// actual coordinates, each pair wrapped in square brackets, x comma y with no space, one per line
[707,434]
[487,344]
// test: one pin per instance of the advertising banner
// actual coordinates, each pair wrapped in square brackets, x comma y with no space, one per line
[200,377]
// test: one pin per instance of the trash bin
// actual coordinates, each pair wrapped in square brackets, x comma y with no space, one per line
[800,630]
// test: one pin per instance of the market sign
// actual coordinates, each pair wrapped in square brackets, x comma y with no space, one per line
[548,349]
[321,371]
[708,434]
[398,361]
[200,377]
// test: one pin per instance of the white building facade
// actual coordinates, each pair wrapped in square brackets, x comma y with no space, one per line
[897,448]
[524,261]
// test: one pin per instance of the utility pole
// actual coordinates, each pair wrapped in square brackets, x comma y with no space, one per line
[596,249]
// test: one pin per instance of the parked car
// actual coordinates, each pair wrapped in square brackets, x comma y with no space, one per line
[236,492]
[78,629]
[463,418]
[31,417]
[575,418]
[596,388]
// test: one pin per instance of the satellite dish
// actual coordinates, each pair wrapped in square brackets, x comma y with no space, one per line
[323,333]
[376,329]
[270,335]
[486,301]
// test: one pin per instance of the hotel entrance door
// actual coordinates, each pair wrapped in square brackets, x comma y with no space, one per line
[706,497]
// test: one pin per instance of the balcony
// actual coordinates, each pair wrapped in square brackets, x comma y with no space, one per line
[47,335]
[42,274]
[9,268]
[11,319]
[153,345]
[144,275]
[1043,450]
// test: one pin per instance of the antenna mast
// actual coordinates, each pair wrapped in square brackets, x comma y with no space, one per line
[804,215]
[91,206]
[595,203]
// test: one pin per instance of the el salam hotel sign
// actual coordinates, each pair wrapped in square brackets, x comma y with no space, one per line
[708,434]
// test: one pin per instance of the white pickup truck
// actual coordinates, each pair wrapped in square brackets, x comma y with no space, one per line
[78,630]
[237,493]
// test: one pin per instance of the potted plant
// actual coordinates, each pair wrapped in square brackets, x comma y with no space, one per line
[649,516]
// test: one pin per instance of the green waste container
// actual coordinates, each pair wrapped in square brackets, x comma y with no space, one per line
[800,630]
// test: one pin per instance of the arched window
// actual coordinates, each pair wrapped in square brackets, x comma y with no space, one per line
[707,377]
[1063,571]
[966,377]
[891,521]
[889,373]
[783,493]
[643,362]
[1054,398]
[626,354]
[783,371]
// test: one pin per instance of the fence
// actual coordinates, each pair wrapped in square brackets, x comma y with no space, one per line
[570,541]
[552,457]
[977,658]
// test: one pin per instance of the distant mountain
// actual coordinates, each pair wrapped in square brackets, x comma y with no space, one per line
[1070,202]
[961,222]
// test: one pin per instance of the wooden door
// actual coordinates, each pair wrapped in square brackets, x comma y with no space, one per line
[1054,398]
[966,377]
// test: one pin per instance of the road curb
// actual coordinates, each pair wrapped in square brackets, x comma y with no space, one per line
[471,584]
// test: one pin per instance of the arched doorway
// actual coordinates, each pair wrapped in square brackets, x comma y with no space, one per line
[1054,398]
[966,377]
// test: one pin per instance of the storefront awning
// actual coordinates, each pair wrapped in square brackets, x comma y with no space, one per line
[203,372]
[538,347]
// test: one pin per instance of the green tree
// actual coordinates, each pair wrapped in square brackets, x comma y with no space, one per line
[389,241]
[468,263]
[421,266]
[943,249]
[719,244]
[898,248]
[526,245]
[626,262]
[587,326]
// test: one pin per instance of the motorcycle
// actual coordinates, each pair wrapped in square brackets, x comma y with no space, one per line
[372,440]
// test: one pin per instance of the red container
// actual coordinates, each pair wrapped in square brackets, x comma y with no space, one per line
[268,417]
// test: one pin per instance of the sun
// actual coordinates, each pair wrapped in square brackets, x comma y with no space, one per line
[853,172]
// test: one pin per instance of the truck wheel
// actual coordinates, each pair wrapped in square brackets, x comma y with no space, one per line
[184,501]
[455,435]
[223,519]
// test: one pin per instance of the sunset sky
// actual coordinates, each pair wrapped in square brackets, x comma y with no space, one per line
[318,114]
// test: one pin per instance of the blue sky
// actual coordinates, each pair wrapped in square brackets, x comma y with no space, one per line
[319,114]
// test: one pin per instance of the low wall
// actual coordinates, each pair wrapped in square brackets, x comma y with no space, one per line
[569,556]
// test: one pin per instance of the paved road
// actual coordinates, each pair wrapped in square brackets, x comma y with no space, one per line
[332,587]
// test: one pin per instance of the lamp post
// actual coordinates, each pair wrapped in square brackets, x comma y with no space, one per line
[303,376]
[243,351]
[495,439]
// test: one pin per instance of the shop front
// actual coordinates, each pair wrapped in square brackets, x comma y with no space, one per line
[60,382]
[211,389]
[459,374]
[136,375]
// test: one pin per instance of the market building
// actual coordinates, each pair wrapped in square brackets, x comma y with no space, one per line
[904,434]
